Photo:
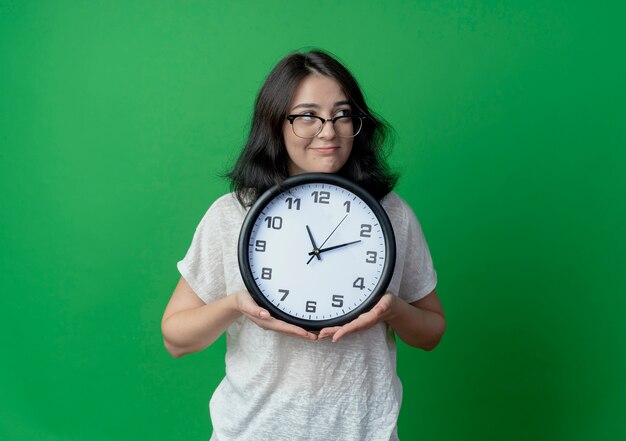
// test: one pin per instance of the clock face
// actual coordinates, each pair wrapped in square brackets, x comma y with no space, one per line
[318,252]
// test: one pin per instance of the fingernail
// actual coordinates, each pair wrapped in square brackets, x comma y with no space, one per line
[264,314]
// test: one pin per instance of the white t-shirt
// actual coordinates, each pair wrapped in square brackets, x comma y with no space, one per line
[279,387]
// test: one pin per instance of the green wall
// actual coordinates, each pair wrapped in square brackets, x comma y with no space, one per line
[117,118]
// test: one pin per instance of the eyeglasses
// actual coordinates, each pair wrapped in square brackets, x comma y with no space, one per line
[309,126]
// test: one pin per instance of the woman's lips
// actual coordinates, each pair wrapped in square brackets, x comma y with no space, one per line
[326,150]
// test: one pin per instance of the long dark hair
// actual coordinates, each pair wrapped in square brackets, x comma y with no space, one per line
[263,162]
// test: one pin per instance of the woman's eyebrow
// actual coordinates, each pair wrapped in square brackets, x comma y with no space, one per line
[307,105]
[342,103]
[315,106]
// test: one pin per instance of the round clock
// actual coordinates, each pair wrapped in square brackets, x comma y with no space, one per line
[316,251]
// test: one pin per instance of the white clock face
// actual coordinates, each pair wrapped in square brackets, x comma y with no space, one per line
[317,252]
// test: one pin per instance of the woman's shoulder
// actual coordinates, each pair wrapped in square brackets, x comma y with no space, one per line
[225,208]
[396,207]
[227,201]
[401,214]
[393,199]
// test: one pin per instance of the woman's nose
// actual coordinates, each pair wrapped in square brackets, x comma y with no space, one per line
[328,130]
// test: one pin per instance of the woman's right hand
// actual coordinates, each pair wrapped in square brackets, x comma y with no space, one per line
[248,307]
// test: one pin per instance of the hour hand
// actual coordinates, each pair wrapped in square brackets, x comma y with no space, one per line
[315,251]
[332,248]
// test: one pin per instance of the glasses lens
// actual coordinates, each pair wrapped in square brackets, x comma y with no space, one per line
[348,126]
[306,126]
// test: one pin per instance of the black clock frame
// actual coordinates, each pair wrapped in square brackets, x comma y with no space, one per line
[323,178]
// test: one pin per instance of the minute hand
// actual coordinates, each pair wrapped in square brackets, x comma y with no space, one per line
[334,247]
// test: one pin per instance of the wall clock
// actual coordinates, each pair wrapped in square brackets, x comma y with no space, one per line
[316,251]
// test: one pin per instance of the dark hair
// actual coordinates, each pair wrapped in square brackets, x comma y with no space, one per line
[263,162]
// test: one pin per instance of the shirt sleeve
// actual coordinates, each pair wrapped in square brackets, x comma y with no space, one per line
[414,276]
[419,277]
[202,267]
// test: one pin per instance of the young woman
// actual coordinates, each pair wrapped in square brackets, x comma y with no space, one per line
[283,382]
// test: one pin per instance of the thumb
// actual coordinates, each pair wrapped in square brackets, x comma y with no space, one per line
[248,306]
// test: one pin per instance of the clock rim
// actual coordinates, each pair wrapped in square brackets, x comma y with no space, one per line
[322,178]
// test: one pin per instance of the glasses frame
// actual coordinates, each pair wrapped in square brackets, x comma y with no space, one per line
[292,118]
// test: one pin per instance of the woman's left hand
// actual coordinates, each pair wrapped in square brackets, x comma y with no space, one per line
[381,312]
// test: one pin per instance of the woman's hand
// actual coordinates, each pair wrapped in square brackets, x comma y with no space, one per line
[379,313]
[248,307]
[421,323]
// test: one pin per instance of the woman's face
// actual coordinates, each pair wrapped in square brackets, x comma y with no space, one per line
[325,153]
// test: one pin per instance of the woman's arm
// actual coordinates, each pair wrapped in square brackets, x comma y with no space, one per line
[420,324]
[189,325]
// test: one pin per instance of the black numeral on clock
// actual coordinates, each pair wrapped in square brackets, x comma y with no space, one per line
[337,301]
[266,273]
[293,203]
[347,205]
[321,197]
[275,222]
[311,306]
[359,283]
[366,230]
[371,257]
[285,292]
[259,245]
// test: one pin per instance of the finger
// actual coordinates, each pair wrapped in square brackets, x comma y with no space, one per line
[286,328]
[272,324]
[383,305]
[380,308]
[293,330]
[328,332]
[364,321]
[256,312]
[250,308]
[262,318]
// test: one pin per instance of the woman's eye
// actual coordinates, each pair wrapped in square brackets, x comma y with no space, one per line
[343,112]
[308,116]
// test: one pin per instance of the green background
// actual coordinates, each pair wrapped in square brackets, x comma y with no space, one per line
[117,118]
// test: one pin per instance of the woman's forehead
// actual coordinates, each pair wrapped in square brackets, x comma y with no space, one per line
[318,91]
